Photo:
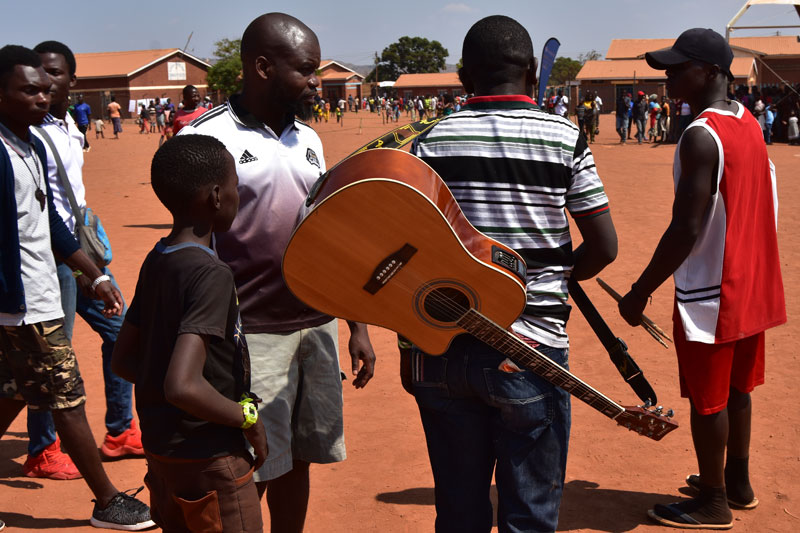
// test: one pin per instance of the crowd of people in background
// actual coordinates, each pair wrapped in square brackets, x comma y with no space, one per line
[656,119]
[389,107]
[776,109]
[663,120]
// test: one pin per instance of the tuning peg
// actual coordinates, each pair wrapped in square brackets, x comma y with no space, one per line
[670,413]
[647,404]
[659,409]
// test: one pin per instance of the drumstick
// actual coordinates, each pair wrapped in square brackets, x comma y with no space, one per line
[646,322]
[653,333]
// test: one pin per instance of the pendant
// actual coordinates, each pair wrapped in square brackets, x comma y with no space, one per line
[39,195]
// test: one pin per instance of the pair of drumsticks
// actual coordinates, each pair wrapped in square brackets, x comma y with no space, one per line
[650,327]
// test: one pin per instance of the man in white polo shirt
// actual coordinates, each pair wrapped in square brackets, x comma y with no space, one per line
[293,349]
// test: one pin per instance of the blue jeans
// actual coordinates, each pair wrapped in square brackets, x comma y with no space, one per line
[641,131]
[622,128]
[479,420]
[41,430]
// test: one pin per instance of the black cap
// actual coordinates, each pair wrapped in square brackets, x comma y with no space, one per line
[701,44]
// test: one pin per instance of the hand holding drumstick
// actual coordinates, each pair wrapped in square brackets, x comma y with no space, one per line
[651,327]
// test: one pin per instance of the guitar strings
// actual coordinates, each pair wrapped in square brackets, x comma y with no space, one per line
[441,302]
[445,303]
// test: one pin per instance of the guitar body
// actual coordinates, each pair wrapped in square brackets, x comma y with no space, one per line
[386,243]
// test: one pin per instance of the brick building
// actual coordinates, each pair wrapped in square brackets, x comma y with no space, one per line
[435,84]
[337,81]
[758,61]
[136,75]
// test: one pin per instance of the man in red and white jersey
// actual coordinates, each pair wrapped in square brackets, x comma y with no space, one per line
[721,246]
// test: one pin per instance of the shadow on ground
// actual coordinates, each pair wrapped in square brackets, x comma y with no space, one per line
[584,506]
[9,450]
[587,506]
[24,521]
[425,496]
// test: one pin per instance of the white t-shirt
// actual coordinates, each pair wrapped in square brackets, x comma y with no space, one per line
[68,140]
[561,105]
[38,267]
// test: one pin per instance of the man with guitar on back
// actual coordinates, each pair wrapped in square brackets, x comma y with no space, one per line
[516,171]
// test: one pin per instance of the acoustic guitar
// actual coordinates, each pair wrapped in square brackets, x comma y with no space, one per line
[385,243]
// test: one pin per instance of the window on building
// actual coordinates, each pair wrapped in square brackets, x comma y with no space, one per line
[176,70]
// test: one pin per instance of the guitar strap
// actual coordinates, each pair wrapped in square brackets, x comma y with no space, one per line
[616,347]
[397,138]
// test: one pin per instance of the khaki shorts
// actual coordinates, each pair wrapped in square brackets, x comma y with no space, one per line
[38,365]
[298,378]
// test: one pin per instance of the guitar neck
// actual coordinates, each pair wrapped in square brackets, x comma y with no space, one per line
[509,344]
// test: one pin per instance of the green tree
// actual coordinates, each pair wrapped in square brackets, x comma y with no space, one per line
[225,74]
[410,55]
[591,55]
[564,70]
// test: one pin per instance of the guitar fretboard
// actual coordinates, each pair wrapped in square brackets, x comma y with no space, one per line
[509,344]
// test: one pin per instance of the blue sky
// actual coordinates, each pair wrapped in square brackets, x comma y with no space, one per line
[354,30]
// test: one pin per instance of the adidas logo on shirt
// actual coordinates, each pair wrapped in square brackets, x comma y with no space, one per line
[247,157]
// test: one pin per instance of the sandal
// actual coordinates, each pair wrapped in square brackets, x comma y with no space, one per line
[693,482]
[671,515]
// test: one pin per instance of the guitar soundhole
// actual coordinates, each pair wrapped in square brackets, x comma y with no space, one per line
[446,304]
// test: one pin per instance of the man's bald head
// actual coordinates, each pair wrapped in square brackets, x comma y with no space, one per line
[273,33]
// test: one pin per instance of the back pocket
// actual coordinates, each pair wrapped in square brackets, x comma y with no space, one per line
[525,406]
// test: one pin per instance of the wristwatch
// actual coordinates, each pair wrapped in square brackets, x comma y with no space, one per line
[250,412]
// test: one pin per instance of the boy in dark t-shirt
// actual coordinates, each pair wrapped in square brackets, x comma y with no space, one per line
[183,347]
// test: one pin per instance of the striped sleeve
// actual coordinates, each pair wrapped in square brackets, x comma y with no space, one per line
[586,196]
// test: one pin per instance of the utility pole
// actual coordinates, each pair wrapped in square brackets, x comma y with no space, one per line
[376,75]
[186,46]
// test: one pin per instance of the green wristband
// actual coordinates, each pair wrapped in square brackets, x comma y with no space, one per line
[250,412]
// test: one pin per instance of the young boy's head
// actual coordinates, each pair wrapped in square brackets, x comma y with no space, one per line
[194,176]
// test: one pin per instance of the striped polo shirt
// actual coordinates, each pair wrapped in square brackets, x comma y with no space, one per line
[516,171]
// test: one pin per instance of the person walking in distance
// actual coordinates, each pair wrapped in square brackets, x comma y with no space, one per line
[113,109]
[83,118]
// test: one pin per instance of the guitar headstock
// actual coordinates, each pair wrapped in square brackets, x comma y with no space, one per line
[647,421]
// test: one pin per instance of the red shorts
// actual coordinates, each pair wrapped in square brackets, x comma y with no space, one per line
[708,371]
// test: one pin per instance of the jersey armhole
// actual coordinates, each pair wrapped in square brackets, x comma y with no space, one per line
[701,123]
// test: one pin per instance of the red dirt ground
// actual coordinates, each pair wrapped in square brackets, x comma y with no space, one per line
[385,485]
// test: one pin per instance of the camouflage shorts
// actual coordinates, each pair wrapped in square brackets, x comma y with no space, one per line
[38,365]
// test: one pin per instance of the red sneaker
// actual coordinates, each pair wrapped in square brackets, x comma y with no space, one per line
[52,463]
[129,442]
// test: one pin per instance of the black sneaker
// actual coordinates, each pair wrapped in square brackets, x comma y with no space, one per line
[123,512]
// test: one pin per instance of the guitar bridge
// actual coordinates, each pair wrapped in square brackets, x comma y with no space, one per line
[388,268]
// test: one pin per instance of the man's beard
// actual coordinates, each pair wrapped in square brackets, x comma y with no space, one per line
[301,110]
